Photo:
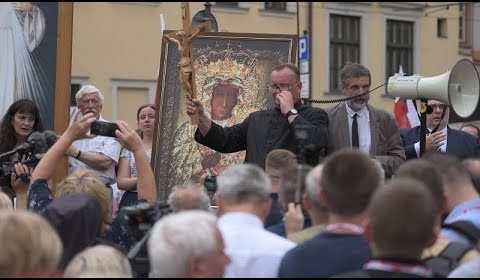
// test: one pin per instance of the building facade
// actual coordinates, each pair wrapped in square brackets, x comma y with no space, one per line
[117,46]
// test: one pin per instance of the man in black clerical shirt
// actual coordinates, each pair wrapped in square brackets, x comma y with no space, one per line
[289,125]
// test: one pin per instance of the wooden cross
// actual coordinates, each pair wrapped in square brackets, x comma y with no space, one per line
[183,38]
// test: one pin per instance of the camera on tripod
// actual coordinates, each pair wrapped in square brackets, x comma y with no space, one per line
[303,133]
[140,218]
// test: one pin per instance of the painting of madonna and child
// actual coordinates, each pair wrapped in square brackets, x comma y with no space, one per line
[232,72]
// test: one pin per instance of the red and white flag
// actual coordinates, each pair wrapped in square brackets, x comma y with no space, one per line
[405,112]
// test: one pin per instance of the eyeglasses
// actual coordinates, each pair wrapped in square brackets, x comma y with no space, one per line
[441,107]
[93,101]
[273,88]
[144,117]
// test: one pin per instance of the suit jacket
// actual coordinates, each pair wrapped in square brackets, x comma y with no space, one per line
[386,144]
[459,143]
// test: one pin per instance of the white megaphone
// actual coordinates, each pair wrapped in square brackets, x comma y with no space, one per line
[458,88]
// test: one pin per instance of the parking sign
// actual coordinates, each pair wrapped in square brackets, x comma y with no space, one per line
[303,48]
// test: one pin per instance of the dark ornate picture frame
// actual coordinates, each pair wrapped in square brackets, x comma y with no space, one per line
[230,63]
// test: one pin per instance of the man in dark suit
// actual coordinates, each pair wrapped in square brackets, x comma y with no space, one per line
[376,130]
[443,138]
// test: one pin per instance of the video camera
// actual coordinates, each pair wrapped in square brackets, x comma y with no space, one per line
[140,219]
[28,153]
[142,216]
[211,184]
[303,133]
[7,168]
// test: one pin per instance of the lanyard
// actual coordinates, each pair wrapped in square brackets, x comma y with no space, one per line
[344,228]
[397,267]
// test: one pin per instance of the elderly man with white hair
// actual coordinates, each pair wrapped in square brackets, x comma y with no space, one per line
[187,244]
[100,153]
[243,198]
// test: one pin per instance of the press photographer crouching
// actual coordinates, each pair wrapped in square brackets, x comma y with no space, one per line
[21,119]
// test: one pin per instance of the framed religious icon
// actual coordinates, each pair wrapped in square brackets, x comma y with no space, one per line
[232,72]
[35,61]
[35,58]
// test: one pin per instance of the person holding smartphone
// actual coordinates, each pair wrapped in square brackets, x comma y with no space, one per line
[100,153]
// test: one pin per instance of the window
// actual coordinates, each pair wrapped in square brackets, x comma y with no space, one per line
[74,88]
[344,45]
[276,6]
[127,96]
[461,22]
[465,27]
[442,27]
[399,47]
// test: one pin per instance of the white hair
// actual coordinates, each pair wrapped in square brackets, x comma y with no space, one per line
[5,201]
[86,90]
[176,238]
[312,185]
[200,201]
[99,260]
[238,183]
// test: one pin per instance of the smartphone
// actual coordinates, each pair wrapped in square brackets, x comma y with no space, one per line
[103,128]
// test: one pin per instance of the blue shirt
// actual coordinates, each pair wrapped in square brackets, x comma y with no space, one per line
[466,211]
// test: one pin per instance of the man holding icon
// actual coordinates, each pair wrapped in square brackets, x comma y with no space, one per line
[274,128]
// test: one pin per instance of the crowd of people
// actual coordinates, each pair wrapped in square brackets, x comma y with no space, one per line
[355,199]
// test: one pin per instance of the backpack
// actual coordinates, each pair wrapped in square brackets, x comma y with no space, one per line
[467,229]
[448,259]
[452,254]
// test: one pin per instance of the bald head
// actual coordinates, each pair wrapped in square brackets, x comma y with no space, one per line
[189,196]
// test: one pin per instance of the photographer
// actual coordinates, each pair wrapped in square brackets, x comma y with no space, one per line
[78,130]
[21,119]
[100,153]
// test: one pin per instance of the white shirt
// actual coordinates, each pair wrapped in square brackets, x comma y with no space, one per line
[363,121]
[254,251]
[100,144]
[443,148]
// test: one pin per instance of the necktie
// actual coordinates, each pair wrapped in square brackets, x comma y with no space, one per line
[355,131]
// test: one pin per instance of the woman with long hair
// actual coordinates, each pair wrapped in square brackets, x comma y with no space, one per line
[22,118]
[127,170]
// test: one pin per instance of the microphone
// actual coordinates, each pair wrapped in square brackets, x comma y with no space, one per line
[36,143]
[50,138]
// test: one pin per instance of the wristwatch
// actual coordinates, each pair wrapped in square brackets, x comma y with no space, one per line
[291,112]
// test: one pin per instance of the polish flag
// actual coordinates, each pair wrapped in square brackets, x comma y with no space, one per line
[405,112]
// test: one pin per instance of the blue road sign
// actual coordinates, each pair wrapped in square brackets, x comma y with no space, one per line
[303,48]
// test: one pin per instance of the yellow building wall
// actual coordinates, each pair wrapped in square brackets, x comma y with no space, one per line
[122,41]
[439,54]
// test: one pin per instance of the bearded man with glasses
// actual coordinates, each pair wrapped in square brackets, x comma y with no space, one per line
[269,129]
